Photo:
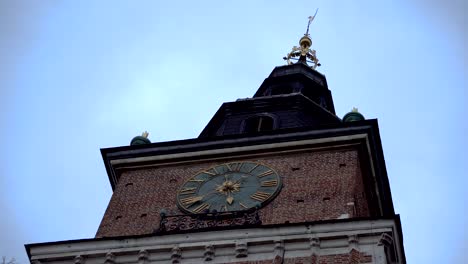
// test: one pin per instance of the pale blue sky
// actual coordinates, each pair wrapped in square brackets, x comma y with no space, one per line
[77,76]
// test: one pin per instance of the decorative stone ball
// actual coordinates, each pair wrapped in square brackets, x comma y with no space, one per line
[353,116]
[139,140]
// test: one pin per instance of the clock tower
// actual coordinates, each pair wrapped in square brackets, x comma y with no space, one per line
[276,178]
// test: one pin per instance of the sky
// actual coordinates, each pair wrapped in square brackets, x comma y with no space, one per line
[77,76]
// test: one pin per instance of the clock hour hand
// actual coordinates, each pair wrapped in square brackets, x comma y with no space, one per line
[229,199]
[189,201]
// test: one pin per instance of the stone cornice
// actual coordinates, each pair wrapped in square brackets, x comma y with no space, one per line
[228,245]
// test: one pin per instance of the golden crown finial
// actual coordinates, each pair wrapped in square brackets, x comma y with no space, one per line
[145,134]
[304,53]
[354,110]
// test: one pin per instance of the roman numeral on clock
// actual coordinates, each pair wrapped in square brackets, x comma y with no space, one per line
[260,196]
[270,183]
[211,173]
[201,207]
[234,166]
[266,173]
[190,200]
[253,168]
[223,208]
[187,191]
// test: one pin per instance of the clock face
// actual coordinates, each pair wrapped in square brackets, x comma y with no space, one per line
[229,187]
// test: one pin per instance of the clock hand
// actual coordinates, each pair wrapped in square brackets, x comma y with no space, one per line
[189,201]
[229,199]
[241,179]
[209,193]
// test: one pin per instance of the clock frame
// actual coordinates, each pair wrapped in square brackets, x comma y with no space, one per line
[229,187]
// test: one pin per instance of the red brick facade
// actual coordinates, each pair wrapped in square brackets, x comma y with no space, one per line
[317,185]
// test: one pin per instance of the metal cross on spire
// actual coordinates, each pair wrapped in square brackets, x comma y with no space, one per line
[311,18]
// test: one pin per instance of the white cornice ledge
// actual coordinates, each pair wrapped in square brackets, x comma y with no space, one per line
[332,238]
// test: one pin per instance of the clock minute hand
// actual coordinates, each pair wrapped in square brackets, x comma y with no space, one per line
[208,193]
[240,180]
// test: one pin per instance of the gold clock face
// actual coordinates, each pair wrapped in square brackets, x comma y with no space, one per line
[228,187]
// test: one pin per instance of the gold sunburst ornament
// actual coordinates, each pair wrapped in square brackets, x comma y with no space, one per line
[304,53]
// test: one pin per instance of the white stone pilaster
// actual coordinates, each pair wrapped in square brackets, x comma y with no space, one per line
[143,257]
[209,253]
[110,258]
[241,250]
[176,254]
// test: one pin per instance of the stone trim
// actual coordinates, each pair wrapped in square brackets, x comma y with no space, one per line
[233,150]
[253,244]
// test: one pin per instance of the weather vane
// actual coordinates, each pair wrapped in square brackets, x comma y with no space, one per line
[304,53]
[311,18]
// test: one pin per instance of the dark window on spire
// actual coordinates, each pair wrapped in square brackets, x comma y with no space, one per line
[281,90]
[258,124]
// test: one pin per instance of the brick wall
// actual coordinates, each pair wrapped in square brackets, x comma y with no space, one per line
[316,186]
